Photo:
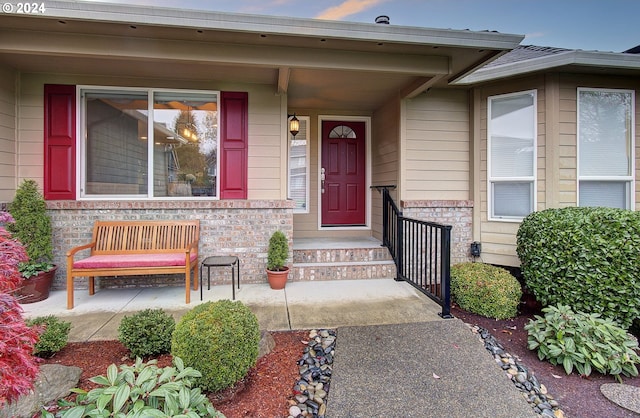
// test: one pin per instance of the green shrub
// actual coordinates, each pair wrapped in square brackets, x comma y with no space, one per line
[485,290]
[141,390]
[147,332]
[32,227]
[586,258]
[220,339]
[278,251]
[584,341]
[54,336]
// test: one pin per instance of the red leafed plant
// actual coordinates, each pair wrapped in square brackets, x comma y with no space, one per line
[18,367]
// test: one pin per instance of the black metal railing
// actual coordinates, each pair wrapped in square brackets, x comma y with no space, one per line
[421,251]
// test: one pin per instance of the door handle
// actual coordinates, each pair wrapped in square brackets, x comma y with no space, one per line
[322,180]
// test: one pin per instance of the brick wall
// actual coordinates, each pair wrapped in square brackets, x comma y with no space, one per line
[227,227]
[457,213]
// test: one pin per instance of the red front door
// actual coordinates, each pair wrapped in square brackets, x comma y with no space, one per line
[342,174]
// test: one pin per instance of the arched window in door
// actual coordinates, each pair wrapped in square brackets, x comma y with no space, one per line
[342,131]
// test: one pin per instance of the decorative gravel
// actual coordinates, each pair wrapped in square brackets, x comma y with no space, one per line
[542,402]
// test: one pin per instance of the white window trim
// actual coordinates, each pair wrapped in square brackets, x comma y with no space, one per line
[81,142]
[307,120]
[629,179]
[533,179]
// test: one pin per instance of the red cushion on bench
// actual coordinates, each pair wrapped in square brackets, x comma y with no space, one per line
[132,260]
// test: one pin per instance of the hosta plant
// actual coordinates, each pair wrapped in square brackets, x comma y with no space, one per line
[141,390]
[583,341]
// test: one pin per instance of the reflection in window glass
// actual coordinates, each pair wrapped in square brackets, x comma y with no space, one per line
[179,130]
[116,147]
[185,145]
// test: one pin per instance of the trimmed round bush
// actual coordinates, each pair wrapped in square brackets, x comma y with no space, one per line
[147,332]
[485,290]
[219,339]
[586,258]
[54,336]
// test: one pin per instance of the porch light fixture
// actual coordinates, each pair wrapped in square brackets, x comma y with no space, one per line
[294,125]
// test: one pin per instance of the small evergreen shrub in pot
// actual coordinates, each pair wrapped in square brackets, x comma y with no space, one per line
[277,254]
[583,257]
[220,339]
[485,290]
[583,341]
[147,332]
[54,335]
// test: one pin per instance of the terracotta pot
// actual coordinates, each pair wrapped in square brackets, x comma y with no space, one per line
[36,288]
[278,279]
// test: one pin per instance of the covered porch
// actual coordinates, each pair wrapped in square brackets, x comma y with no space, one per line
[301,305]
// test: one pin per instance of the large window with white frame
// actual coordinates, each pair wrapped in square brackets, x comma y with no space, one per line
[148,143]
[606,147]
[299,167]
[511,155]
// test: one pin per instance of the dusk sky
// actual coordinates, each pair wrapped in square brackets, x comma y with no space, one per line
[604,25]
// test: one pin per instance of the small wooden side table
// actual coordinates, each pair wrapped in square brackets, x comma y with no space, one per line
[221,261]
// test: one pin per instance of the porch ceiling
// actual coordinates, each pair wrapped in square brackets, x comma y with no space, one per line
[336,71]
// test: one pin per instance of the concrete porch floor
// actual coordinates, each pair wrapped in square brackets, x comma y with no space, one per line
[301,305]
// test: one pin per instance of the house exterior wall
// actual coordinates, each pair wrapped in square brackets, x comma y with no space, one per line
[227,227]
[498,237]
[8,145]
[435,146]
[234,227]
[556,175]
[267,145]
[435,172]
[385,158]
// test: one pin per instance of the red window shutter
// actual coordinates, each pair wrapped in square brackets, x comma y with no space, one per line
[234,149]
[59,142]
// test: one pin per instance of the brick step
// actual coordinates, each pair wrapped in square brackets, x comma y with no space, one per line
[345,270]
[340,255]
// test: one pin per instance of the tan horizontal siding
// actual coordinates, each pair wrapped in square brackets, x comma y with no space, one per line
[498,238]
[436,147]
[7,133]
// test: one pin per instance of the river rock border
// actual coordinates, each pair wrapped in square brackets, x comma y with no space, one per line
[542,402]
[315,367]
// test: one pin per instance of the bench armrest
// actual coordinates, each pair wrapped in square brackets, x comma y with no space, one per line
[74,250]
[193,246]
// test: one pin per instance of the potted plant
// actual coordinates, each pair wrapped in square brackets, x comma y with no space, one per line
[277,255]
[32,227]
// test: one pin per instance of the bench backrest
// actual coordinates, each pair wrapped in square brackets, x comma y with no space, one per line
[116,237]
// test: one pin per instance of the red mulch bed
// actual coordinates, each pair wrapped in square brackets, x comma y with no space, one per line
[262,394]
[265,392]
[579,397]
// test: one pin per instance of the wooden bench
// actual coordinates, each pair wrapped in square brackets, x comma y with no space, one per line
[131,248]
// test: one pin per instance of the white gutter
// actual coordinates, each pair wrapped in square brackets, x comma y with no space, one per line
[611,60]
[156,16]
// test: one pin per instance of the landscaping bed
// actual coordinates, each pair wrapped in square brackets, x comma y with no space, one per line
[267,389]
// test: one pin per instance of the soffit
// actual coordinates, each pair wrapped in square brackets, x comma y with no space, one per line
[326,71]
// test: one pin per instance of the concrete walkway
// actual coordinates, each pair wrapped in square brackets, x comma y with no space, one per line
[395,357]
[301,305]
